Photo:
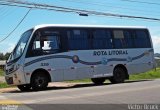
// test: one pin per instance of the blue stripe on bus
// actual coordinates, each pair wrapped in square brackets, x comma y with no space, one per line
[84,62]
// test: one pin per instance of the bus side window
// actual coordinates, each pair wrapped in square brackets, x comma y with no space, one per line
[141,39]
[102,39]
[46,42]
[78,39]
[50,43]
[128,38]
[119,41]
[35,47]
[36,43]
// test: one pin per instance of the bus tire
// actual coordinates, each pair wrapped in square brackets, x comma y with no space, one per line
[25,87]
[98,81]
[119,75]
[39,81]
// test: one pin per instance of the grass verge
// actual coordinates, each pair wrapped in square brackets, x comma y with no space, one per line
[4,85]
[147,75]
[1,72]
[80,80]
[153,74]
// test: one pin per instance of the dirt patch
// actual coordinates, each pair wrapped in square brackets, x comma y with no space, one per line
[53,84]
[62,84]
[2,79]
[6,90]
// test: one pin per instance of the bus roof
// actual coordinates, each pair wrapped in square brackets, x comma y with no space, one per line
[87,26]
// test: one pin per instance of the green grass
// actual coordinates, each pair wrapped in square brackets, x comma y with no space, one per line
[147,75]
[4,85]
[80,80]
[1,72]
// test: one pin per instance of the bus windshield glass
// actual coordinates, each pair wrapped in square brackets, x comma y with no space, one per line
[18,51]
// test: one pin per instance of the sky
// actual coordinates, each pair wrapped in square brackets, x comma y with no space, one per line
[11,16]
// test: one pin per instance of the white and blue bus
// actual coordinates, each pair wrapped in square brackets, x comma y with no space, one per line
[50,53]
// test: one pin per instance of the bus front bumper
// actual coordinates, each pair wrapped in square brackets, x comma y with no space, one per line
[15,78]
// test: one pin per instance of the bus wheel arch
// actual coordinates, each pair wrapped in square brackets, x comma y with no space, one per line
[120,73]
[40,79]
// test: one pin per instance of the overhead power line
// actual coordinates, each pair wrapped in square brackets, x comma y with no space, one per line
[150,3]
[16,26]
[71,10]
[106,4]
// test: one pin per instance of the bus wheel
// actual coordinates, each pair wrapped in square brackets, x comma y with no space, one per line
[25,87]
[39,81]
[98,81]
[119,75]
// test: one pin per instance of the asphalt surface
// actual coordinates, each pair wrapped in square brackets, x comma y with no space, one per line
[131,92]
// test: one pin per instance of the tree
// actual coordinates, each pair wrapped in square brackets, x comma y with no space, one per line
[1,56]
[4,56]
[7,55]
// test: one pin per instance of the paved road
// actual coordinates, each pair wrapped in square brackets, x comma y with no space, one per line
[141,92]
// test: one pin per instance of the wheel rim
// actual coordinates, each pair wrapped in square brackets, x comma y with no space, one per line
[40,81]
[119,75]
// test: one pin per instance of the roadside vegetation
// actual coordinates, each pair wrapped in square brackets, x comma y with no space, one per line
[4,85]
[1,72]
[153,74]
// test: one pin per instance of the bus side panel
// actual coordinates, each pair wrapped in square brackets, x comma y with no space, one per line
[90,66]
[73,68]
[84,64]
[142,60]
[34,63]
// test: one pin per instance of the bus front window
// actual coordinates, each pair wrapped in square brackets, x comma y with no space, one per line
[19,49]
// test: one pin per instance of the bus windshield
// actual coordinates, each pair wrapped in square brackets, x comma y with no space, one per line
[18,50]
